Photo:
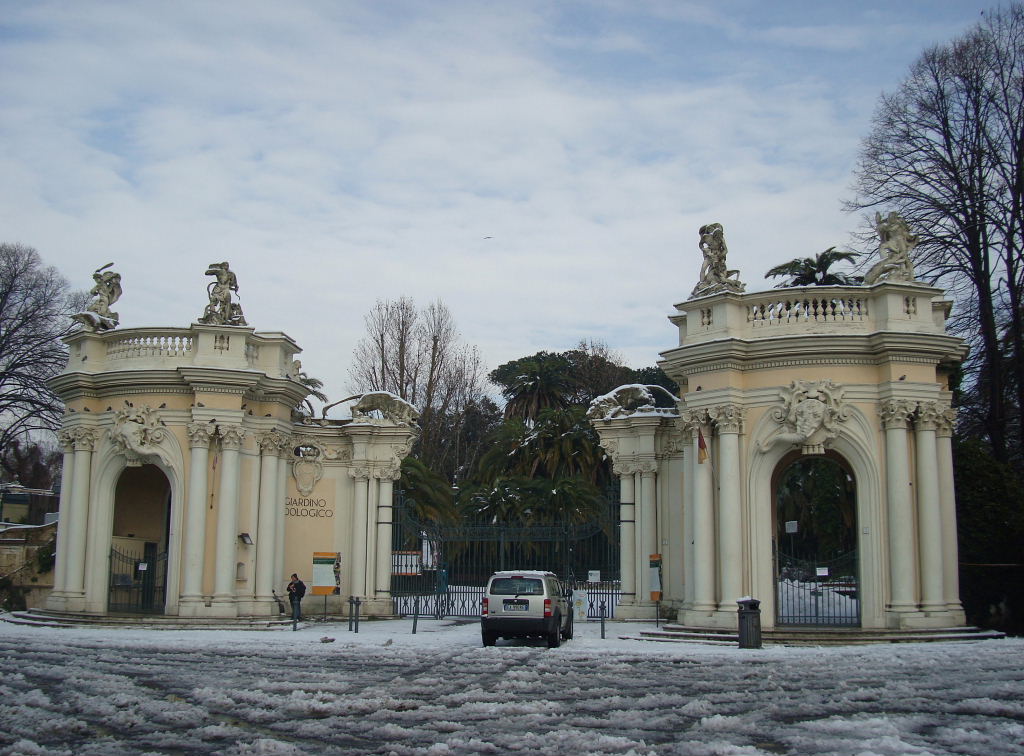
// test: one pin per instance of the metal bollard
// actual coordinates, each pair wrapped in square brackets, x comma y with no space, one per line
[749,623]
[415,613]
[351,605]
[601,607]
[358,602]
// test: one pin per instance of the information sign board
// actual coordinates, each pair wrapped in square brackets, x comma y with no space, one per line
[326,580]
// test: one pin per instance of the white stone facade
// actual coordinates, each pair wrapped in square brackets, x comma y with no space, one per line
[858,373]
[250,493]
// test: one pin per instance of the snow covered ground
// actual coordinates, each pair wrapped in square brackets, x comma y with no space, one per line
[439,693]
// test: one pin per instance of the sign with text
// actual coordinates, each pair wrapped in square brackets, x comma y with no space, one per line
[301,506]
[326,579]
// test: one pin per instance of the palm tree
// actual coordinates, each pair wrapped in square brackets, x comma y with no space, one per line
[559,444]
[428,494]
[542,382]
[814,271]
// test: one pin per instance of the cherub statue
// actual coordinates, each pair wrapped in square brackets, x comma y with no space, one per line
[221,310]
[106,290]
[896,244]
[714,276]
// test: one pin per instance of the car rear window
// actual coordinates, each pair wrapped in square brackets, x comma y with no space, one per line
[517,586]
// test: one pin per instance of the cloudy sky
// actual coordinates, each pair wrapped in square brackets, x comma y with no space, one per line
[541,167]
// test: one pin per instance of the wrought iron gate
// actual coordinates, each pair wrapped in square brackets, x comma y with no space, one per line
[817,592]
[138,582]
[442,570]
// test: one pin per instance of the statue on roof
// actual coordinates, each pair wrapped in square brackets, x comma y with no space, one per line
[715,277]
[97,315]
[895,244]
[221,310]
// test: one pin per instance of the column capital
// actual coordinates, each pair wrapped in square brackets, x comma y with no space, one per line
[359,473]
[728,418]
[67,441]
[690,421]
[271,442]
[895,413]
[927,416]
[946,422]
[199,434]
[388,472]
[83,438]
[647,466]
[231,436]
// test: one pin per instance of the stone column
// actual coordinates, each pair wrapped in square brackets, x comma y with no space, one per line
[199,435]
[729,420]
[56,599]
[947,506]
[385,520]
[703,522]
[648,523]
[84,440]
[929,509]
[902,564]
[287,453]
[361,475]
[266,521]
[627,532]
[231,437]
[689,472]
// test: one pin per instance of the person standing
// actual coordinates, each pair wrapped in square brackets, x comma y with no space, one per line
[296,590]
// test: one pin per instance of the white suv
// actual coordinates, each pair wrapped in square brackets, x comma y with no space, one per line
[526,604]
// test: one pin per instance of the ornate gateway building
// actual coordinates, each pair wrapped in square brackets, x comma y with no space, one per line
[807,462]
[192,487]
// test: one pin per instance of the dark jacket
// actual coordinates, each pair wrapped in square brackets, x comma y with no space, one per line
[296,589]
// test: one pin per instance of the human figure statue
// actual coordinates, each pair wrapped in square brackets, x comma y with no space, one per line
[221,310]
[896,244]
[714,275]
[106,290]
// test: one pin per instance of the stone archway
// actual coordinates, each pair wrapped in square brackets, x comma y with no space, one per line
[139,541]
[815,541]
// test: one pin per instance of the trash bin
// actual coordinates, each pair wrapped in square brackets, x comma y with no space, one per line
[749,622]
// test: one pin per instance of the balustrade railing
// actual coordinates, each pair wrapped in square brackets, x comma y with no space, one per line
[792,310]
[167,344]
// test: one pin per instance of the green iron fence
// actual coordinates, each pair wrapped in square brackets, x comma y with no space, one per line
[442,570]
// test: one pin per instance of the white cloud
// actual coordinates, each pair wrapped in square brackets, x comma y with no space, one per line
[337,154]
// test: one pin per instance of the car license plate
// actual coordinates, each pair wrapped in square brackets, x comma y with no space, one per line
[516,605]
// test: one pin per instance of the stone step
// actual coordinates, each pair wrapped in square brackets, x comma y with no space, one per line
[815,636]
[43,618]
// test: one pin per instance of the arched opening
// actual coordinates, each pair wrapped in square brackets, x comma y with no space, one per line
[138,555]
[816,564]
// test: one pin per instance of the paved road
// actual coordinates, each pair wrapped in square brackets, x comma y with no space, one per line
[70,692]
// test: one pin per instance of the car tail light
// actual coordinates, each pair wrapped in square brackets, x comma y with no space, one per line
[547,607]
[483,608]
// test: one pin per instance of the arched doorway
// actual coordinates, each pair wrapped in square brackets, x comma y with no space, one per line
[816,564]
[138,555]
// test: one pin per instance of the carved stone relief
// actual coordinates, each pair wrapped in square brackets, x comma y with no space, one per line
[809,416]
[136,433]
[307,464]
